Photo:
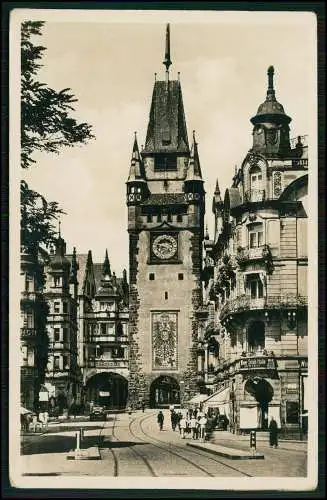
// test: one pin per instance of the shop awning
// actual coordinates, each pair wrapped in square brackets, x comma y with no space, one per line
[218,398]
[199,398]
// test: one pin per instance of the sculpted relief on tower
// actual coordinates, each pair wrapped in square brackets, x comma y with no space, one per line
[164,340]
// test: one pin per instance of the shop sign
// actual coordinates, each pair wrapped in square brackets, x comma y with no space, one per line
[262,363]
[43,396]
[103,394]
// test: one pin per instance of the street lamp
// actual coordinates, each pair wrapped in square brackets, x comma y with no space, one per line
[181,383]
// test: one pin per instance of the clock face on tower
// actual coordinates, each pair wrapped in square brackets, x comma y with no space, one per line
[164,246]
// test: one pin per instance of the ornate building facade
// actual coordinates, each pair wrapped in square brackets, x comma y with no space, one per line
[165,199]
[255,277]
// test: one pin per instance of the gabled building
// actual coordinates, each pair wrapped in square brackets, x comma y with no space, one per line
[63,377]
[258,282]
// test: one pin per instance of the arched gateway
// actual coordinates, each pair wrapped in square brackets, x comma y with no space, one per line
[107,389]
[263,392]
[164,391]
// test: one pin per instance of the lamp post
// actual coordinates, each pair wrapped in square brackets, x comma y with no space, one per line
[181,383]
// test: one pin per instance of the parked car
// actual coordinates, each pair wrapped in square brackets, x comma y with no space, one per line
[98,413]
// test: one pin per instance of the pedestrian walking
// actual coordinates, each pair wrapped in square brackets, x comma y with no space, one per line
[273,431]
[143,406]
[202,424]
[46,419]
[194,427]
[160,419]
[182,424]
[173,419]
[129,409]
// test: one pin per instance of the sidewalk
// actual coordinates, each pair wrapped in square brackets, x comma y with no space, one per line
[226,438]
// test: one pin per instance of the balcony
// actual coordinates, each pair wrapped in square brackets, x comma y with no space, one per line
[28,296]
[97,338]
[247,254]
[27,333]
[108,363]
[255,195]
[247,303]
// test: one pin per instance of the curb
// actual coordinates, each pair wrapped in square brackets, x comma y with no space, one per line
[223,452]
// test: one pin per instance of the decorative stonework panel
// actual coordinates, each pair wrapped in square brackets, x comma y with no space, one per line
[164,340]
[277,184]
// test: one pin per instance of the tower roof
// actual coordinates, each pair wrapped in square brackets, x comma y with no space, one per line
[270,109]
[194,169]
[136,171]
[167,131]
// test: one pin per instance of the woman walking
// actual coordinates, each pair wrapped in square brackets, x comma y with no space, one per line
[194,427]
[182,424]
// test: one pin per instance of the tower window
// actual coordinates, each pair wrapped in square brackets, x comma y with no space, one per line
[180,276]
[159,218]
[166,295]
[56,334]
[165,162]
[103,329]
[56,307]
[169,217]
[151,276]
[149,218]
[64,307]
[56,362]
[179,218]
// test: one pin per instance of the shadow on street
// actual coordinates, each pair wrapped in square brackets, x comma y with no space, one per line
[119,444]
[56,444]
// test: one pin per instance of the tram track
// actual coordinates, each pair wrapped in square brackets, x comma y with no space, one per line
[114,454]
[198,452]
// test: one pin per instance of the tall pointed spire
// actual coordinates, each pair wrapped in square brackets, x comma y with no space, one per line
[194,169]
[271,90]
[106,266]
[136,172]
[73,268]
[167,61]
[217,190]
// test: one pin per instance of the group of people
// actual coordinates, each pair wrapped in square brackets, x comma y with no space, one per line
[32,421]
[190,421]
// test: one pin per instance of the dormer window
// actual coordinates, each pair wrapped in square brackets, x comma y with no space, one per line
[165,163]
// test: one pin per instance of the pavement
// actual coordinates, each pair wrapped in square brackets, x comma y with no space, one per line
[226,438]
[227,452]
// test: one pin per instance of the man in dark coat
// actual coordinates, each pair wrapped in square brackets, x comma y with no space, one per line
[273,431]
[160,419]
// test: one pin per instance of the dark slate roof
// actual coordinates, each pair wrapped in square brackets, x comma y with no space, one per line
[165,199]
[98,276]
[234,197]
[167,132]
[81,260]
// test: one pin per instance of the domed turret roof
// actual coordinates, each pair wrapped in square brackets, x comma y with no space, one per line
[270,109]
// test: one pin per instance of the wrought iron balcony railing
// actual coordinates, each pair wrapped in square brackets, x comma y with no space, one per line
[245,302]
[27,332]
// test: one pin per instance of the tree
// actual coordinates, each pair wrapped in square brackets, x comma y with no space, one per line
[46,126]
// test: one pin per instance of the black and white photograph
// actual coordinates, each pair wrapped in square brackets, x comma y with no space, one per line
[163,249]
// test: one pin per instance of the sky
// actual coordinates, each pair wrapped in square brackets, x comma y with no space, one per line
[109,62]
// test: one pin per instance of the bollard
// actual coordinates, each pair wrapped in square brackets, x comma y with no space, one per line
[253,441]
[77,441]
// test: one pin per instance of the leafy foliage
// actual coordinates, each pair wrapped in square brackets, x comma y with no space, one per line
[37,218]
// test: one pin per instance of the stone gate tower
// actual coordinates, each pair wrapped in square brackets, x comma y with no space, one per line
[166,204]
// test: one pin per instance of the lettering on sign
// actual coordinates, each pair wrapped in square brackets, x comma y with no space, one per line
[257,363]
[304,363]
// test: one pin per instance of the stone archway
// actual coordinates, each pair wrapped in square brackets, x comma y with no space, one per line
[108,389]
[263,392]
[164,391]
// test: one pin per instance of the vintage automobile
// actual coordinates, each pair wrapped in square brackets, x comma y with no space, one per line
[98,413]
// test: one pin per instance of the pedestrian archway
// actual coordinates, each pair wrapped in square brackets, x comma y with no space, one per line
[164,391]
[263,392]
[107,389]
